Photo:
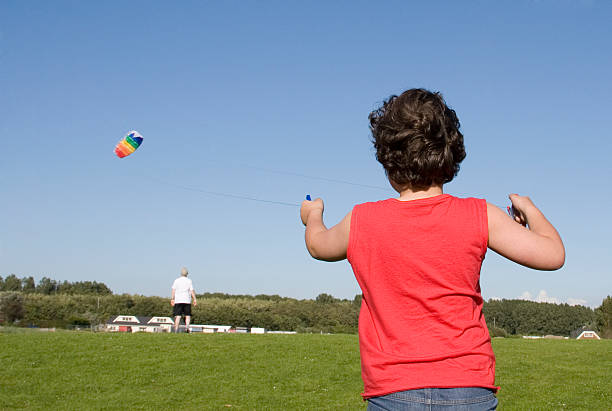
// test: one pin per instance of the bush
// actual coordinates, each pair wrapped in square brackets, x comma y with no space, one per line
[11,307]
[497,332]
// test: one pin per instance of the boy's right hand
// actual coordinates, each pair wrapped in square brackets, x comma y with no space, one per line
[521,206]
[539,246]
[310,206]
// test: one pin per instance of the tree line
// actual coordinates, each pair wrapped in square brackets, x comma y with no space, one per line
[521,317]
[69,308]
[48,286]
[270,312]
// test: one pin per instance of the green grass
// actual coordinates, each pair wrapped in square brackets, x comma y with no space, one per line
[72,370]
[554,374]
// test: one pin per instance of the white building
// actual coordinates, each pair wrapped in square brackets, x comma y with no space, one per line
[588,335]
[195,328]
[131,323]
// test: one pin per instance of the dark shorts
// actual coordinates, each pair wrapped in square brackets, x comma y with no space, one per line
[181,309]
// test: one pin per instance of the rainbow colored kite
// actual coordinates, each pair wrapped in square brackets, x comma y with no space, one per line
[129,144]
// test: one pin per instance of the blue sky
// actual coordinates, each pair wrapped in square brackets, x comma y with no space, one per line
[224,92]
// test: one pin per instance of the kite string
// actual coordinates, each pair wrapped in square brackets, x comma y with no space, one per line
[243,197]
[257,199]
[220,194]
[385,187]
[331,180]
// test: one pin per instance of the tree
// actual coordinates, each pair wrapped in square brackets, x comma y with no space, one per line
[12,283]
[604,317]
[28,285]
[46,286]
[65,287]
[11,307]
[86,287]
[325,299]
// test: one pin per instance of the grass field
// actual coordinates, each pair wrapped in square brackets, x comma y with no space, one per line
[74,370]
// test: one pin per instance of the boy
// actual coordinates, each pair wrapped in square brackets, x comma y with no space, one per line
[417,258]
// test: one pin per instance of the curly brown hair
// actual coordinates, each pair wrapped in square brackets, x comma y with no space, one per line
[417,139]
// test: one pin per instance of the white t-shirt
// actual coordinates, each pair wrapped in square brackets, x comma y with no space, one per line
[182,287]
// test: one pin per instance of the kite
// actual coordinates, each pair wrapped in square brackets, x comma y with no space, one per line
[128,144]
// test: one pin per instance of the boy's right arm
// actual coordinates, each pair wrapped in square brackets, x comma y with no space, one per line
[531,240]
[322,243]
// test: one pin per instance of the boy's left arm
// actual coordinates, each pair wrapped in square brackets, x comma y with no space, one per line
[323,243]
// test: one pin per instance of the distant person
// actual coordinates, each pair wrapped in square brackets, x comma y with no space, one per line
[182,294]
[423,339]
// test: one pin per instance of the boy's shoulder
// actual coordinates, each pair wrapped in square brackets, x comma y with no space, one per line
[468,199]
[393,202]
[374,204]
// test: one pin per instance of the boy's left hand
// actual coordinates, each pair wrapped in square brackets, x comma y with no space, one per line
[310,206]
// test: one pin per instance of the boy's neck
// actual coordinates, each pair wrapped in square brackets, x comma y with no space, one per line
[408,193]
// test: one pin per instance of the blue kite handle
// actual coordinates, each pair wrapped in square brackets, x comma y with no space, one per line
[308,197]
[511,212]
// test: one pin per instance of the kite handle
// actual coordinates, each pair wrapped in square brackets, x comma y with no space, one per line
[308,198]
[511,212]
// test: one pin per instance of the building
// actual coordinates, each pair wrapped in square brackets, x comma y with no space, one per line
[134,324]
[195,328]
[584,333]
[588,335]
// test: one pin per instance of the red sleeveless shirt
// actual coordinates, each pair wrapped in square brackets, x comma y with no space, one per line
[418,265]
